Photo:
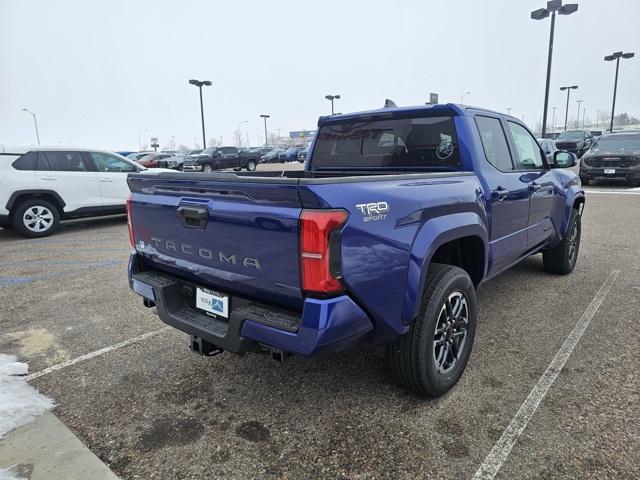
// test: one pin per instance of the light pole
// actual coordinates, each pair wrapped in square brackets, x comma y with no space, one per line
[200,84]
[240,132]
[509,110]
[553,6]
[266,141]
[331,98]
[139,141]
[614,56]
[579,102]
[35,122]
[462,96]
[566,112]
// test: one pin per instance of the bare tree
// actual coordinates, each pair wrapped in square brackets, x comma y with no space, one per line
[274,140]
[213,142]
[182,148]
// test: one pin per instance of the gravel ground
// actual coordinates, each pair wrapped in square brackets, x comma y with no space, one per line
[154,410]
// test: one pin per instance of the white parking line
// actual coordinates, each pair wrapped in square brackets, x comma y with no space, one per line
[615,192]
[97,353]
[503,446]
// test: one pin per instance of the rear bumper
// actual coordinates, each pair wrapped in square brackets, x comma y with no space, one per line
[323,326]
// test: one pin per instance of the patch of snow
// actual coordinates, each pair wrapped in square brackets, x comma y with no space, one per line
[19,401]
[10,474]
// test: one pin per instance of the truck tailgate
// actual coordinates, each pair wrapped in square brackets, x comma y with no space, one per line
[239,237]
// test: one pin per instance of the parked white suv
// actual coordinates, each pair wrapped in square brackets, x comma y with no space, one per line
[39,186]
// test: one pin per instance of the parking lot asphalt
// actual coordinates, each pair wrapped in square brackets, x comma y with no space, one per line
[152,409]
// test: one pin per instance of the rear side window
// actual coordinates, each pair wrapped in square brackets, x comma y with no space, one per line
[60,161]
[27,161]
[494,143]
[428,142]
[109,163]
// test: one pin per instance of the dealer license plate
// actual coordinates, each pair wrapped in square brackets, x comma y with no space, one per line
[610,170]
[212,302]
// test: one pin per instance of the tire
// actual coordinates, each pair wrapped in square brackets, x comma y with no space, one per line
[584,181]
[251,166]
[207,168]
[562,258]
[416,357]
[36,218]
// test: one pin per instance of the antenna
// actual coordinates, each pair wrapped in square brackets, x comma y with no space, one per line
[389,104]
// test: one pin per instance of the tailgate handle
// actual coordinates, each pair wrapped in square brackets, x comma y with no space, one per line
[194,217]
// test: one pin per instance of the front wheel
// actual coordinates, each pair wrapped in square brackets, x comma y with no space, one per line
[36,218]
[207,168]
[562,258]
[430,358]
[584,180]
[251,166]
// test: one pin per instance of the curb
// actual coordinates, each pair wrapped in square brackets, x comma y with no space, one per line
[45,449]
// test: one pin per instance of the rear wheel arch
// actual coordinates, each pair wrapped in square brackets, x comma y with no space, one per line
[22,196]
[459,239]
[467,253]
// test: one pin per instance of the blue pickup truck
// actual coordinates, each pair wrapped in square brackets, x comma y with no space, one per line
[399,216]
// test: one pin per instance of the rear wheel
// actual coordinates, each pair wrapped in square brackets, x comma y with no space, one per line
[251,165]
[36,218]
[562,258]
[207,168]
[431,357]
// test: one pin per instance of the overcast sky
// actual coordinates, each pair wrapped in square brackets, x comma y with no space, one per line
[98,72]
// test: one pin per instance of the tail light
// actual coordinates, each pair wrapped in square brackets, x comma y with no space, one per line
[129,226]
[320,266]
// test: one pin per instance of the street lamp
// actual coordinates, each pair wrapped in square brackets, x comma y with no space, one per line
[566,112]
[509,110]
[240,132]
[35,122]
[462,96]
[331,98]
[200,84]
[266,141]
[614,56]
[579,102]
[553,6]
[139,141]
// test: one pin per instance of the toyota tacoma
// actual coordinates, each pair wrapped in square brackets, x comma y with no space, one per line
[399,216]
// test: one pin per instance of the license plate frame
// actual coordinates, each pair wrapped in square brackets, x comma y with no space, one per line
[212,302]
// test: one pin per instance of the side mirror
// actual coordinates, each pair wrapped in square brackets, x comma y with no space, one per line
[564,159]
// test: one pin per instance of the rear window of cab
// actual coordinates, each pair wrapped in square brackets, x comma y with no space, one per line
[409,143]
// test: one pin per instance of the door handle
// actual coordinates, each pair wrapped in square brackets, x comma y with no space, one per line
[500,193]
[49,179]
[106,181]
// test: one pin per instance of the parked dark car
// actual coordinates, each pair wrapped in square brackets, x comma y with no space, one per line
[575,141]
[614,155]
[303,154]
[218,158]
[596,133]
[290,154]
[272,156]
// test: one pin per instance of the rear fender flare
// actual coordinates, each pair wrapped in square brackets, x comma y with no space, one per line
[34,192]
[433,234]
